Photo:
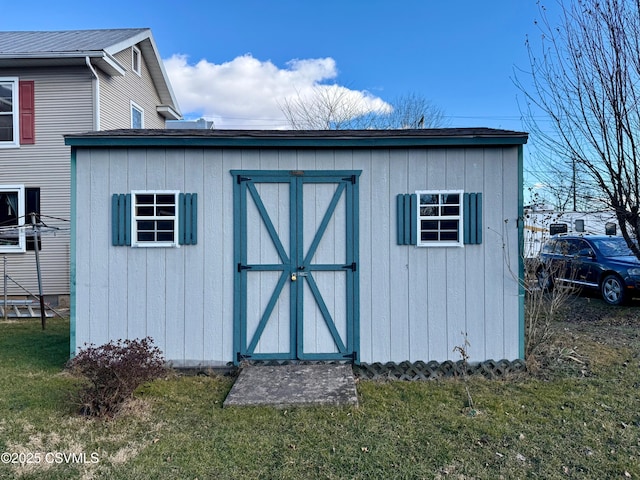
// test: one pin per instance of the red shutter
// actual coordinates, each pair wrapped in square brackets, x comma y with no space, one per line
[27,113]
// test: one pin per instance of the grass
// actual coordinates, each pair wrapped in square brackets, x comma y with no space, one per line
[579,419]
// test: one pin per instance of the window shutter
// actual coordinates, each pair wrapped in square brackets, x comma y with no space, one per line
[32,204]
[472,218]
[406,217]
[121,219]
[188,219]
[26,94]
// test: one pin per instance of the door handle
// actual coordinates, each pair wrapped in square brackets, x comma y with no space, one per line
[294,277]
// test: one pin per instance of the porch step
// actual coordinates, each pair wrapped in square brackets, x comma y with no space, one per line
[294,385]
[21,309]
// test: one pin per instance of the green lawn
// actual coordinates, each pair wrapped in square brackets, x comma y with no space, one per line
[581,419]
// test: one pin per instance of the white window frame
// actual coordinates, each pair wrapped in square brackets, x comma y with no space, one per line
[136,58]
[22,244]
[135,106]
[441,217]
[14,82]
[135,217]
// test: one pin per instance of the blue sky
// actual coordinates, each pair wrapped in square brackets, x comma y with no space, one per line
[226,58]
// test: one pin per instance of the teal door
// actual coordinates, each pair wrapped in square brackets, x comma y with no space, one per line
[296,265]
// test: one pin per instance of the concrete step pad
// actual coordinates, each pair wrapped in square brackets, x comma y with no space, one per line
[293,385]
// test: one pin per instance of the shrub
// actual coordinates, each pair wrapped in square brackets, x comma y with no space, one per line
[113,371]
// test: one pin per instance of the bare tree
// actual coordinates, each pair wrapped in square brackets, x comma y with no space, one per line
[331,107]
[586,83]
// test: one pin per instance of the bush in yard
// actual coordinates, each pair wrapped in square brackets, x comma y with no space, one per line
[113,371]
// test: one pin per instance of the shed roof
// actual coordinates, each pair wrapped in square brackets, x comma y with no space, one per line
[73,47]
[299,138]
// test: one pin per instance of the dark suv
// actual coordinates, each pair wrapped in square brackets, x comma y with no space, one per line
[598,262]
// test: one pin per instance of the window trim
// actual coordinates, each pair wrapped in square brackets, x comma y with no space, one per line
[135,106]
[15,81]
[459,218]
[136,54]
[175,218]
[21,247]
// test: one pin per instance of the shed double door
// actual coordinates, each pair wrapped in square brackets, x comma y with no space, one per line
[296,265]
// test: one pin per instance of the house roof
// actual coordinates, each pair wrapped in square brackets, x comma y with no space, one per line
[73,47]
[300,138]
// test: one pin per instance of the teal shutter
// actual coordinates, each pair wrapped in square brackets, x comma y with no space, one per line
[188,219]
[472,213]
[407,217]
[121,219]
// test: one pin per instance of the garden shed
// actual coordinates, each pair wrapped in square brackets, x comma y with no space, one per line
[363,246]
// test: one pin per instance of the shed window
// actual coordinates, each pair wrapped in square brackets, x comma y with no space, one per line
[12,237]
[155,218]
[9,121]
[439,218]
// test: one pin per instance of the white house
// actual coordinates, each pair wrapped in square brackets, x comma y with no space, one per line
[365,246]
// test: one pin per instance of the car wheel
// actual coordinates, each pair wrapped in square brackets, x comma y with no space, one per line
[612,289]
[545,282]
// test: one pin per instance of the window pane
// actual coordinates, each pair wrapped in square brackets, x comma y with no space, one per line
[146,199]
[146,225]
[166,211]
[449,236]
[136,118]
[429,211]
[165,236]
[429,224]
[166,225]
[429,236]
[9,216]
[449,225]
[451,198]
[145,211]
[451,211]
[6,97]
[6,128]
[146,236]
[428,199]
[163,199]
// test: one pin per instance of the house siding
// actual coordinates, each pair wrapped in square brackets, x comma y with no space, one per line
[63,93]
[116,94]
[415,303]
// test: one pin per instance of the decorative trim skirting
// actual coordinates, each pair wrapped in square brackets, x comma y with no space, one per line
[428,371]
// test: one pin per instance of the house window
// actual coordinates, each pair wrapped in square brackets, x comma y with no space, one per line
[137,116]
[136,60]
[155,218]
[9,121]
[439,218]
[12,238]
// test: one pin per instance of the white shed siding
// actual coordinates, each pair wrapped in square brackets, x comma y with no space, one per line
[117,93]
[63,99]
[415,303]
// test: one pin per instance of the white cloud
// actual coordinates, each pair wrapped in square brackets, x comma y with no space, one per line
[247,92]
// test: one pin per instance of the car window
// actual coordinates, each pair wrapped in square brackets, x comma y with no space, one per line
[549,246]
[613,247]
[573,246]
[562,247]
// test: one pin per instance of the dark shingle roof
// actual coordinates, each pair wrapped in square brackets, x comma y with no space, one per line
[301,138]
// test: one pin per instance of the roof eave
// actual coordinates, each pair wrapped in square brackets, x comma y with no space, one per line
[186,140]
[168,112]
